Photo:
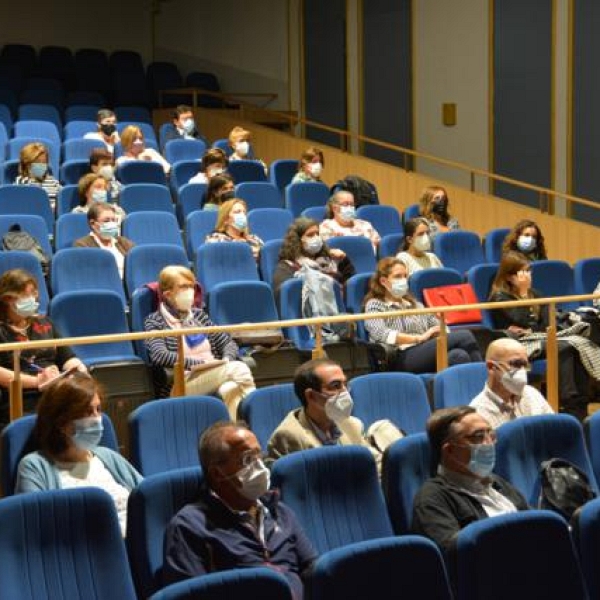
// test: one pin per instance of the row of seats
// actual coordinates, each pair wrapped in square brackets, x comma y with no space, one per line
[338,500]
[120,76]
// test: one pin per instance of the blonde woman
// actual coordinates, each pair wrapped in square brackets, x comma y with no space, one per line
[35,170]
[134,148]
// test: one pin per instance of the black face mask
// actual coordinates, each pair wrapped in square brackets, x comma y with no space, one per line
[440,207]
[226,196]
[107,128]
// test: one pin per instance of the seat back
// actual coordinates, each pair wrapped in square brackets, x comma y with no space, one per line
[71,171]
[459,384]
[411,212]
[39,120]
[335,494]
[18,439]
[152,505]
[254,582]
[78,128]
[221,262]
[386,220]
[587,537]
[374,567]
[136,114]
[85,269]
[390,244]
[459,249]
[299,196]
[265,408]
[70,227]
[358,249]
[258,194]
[178,150]
[523,444]
[592,435]
[481,278]
[356,289]
[493,242]
[182,172]
[141,171]
[430,278]
[281,173]
[198,224]
[35,226]
[17,259]
[406,466]
[522,534]
[70,312]
[81,111]
[554,278]
[152,227]
[586,275]
[154,448]
[258,305]
[142,304]
[269,223]
[26,200]
[63,543]
[138,197]
[80,149]
[399,397]
[316,213]
[246,170]
[269,257]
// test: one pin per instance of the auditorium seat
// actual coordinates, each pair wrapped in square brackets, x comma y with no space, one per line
[269,223]
[152,227]
[459,384]
[137,197]
[299,196]
[258,194]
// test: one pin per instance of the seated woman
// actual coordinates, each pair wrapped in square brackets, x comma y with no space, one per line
[107,129]
[434,207]
[35,170]
[303,246]
[527,240]
[214,162]
[94,188]
[415,247]
[105,233]
[220,189]
[341,220]
[232,226]
[68,430]
[132,141]
[211,361]
[528,324]
[239,142]
[310,166]
[20,322]
[412,335]
[102,162]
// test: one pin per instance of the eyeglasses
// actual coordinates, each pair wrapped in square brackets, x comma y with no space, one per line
[251,456]
[480,436]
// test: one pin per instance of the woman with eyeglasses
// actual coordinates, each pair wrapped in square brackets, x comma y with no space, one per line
[528,325]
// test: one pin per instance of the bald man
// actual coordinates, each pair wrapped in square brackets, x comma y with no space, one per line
[506,394]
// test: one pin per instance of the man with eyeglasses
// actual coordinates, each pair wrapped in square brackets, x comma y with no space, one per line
[506,394]
[324,419]
[464,489]
[236,521]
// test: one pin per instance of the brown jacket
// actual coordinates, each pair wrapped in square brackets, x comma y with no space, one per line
[123,244]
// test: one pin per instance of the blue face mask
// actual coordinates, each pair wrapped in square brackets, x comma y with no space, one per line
[483,459]
[27,307]
[109,230]
[38,170]
[347,213]
[88,432]
[526,243]
[240,221]
[99,195]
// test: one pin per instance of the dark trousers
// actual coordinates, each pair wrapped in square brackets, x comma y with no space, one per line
[462,348]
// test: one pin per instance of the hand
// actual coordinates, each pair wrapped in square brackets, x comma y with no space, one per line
[432,332]
[47,374]
[337,253]
[522,281]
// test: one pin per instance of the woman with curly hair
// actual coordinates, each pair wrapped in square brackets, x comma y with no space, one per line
[527,240]
[303,246]
[434,207]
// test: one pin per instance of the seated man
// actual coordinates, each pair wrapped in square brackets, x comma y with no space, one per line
[464,489]
[183,126]
[105,233]
[107,129]
[506,394]
[236,522]
[324,418]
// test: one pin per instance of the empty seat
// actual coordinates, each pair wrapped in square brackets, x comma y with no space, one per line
[586,275]
[70,227]
[71,171]
[51,98]
[385,219]
[554,278]
[82,98]
[390,244]
[316,213]
[78,128]
[67,200]
[358,249]
[154,448]
[179,150]
[399,397]
[38,120]
[258,194]
[587,537]
[459,384]
[481,278]
[26,200]
[493,242]
[141,171]
[190,198]
[137,197]
[265,408]
[58,62]
[269,223]
[182,172]
[247,170]
[269,257]
[135,114]
[299,196]
[281,173]
[152,227]
[80,149]
[162,75]
[198,225]
[91,68]
[459,250]
[23,55]
[356,290]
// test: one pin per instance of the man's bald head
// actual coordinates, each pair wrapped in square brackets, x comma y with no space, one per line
[503,348]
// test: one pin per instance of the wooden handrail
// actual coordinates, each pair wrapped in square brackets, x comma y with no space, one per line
[16,392]
[546,195]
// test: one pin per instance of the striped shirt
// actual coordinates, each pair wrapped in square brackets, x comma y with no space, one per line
[386,330]
[49,184]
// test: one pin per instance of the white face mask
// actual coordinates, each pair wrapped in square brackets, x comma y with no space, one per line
[312,245]
[514,382]
[184,300]
[106,171]
[347,213]
[422,243]
[339,407]
[315,169]
[255,479]
[242,148]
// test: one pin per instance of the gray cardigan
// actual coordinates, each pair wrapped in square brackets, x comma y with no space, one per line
[36,473]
